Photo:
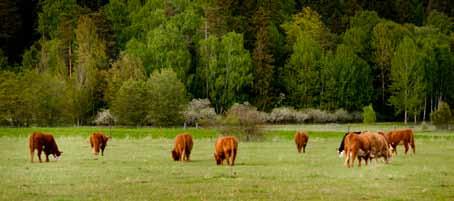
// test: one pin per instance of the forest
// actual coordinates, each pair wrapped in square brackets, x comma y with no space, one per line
[65,62]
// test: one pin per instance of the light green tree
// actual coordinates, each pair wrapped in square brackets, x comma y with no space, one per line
[407,76]
[302,77]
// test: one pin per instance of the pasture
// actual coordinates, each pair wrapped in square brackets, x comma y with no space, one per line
[137,166]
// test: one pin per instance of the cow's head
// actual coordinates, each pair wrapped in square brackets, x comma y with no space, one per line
[340,153]
[57,155]
[217,158]
[175,155]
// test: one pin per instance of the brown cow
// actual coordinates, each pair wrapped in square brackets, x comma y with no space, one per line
[226,148]
[301,139]
[406,136]
[42,141]
[99,141]
[379,147]
[355,146]
[182,148]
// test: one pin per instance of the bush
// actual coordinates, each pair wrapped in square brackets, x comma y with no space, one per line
[104,118]
[319,116]
[343,116]
[369,114]
[244,120]
[130,104]
[199,112]
[168,98]
[442,116]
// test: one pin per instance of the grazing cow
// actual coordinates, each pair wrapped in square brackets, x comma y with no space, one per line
[340,150]
[379,147]
[356,145]
[42,141]
[182,148]
[301,139]
[406,136]
[99,141]
[226,148]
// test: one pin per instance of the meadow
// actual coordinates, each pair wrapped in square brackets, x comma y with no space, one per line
[137,166]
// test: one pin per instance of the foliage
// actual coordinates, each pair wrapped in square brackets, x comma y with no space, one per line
[200,112]
[442,116]
[131,103]
[167,98]
[104,117]
[324,55]
[407,76]
[228,69]
[243,120]
[369,114]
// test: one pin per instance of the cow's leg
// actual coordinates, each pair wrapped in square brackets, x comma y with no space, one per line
[227,156]
[103,146]
[406,147]
[39,154]
[183,155]
[347,158]
[47,156]
[233,157]
[304,148]
[394,149]
[354,154]
[32,154]
[359,161]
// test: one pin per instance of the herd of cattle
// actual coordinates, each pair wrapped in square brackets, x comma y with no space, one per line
[361,145]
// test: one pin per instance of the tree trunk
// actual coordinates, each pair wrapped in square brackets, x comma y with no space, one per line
[424,112]
[69,61]
[415,118]
[383,86]
[405,117]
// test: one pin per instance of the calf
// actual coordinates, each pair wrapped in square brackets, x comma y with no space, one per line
[404,136]
[301,139]
[98,141]
[226,149]
[42,141]
[182,147]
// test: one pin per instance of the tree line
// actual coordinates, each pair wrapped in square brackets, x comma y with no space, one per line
[145,59]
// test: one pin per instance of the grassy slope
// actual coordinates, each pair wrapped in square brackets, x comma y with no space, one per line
[141,169]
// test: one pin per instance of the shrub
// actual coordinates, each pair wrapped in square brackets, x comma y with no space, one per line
[130,104]
[286,115]
[243,120]
[319,116]
[104,117]
[199,112]
[369,114]
[168,98]
[442,116]
[342,115]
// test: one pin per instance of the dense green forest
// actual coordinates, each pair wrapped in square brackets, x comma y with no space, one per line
[67,61]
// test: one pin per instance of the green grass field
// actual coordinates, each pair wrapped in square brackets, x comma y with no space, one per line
[137,166]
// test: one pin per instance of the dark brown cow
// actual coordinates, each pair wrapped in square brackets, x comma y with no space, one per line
[226,149]
[99,141]
[182,147]
[404,136]
[42,141]
[301,139]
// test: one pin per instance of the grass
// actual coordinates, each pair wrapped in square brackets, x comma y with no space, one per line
[138,166]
